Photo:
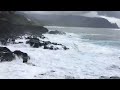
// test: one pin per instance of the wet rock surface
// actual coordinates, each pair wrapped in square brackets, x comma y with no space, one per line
[69,77]
[36,43]
[112,77]
[6,54]
[22,55]
[13,25]
[56,32]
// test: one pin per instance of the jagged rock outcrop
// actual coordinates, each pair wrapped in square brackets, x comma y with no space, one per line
[112,77]
[22,55]
[13,25]
[56,32]
[36,43]
[6,54]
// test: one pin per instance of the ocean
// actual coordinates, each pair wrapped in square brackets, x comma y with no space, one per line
[101,36]
[92,53]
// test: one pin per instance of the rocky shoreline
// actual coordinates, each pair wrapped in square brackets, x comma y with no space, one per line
[34,42]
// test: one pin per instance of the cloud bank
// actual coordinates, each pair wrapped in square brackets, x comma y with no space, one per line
[62,12]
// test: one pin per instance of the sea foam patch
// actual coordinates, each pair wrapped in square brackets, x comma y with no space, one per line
[82,60]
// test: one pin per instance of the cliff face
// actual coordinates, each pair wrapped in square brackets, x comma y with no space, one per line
[12,24]
[69,20]
[13,18]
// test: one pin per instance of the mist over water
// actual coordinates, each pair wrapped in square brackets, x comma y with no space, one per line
[100,36]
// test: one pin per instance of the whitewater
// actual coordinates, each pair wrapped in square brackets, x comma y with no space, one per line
[83,60]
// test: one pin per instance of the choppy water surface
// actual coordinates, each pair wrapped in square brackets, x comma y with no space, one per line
[100,36]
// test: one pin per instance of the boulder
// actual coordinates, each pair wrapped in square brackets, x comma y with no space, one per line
[56,32]
[46,42]
[34,42]
[46,47]
[112,77]
[4,50]
[69,77]
[18,42]
[65,48]
[103,77]
[6,54]
[50,47]
[6,57]
[22,55]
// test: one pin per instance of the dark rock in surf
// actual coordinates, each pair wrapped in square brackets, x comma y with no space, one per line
[112,77]
[19,42]
[6,54]
[4,50]
[69,77]
[34,42]
[14,25]
[22,55]
[56,32]
[103,77]
[65,48]
[6,57]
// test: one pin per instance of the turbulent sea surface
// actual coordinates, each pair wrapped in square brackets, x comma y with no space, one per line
[92,53]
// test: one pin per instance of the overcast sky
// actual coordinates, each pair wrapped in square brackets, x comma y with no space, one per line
[92,13]
[86,13]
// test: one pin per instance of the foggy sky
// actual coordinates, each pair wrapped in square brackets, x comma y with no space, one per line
[92,13]
[110,13]
[112,16]
[83,13]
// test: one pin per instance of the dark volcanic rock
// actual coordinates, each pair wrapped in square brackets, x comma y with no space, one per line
[14,25]
[103,77]
[65,48]
[56,32]
[6,54]
[23,55]
[4,50]
[112,77]
[19,42]
[34,42]
[6,57]
[69,77]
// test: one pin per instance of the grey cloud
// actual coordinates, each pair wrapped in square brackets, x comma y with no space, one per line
[110,13]
[60,12]
[83,13]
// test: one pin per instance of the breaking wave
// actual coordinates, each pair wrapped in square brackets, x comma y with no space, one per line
[82,60]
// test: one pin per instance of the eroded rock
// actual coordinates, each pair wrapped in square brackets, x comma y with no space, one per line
[56,32]
[36,43]
[112,77]
[6,54]
[22,55]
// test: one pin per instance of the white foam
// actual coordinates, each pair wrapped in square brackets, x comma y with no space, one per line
[82,60]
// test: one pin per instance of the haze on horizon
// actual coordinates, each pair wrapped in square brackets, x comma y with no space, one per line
[112,16]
